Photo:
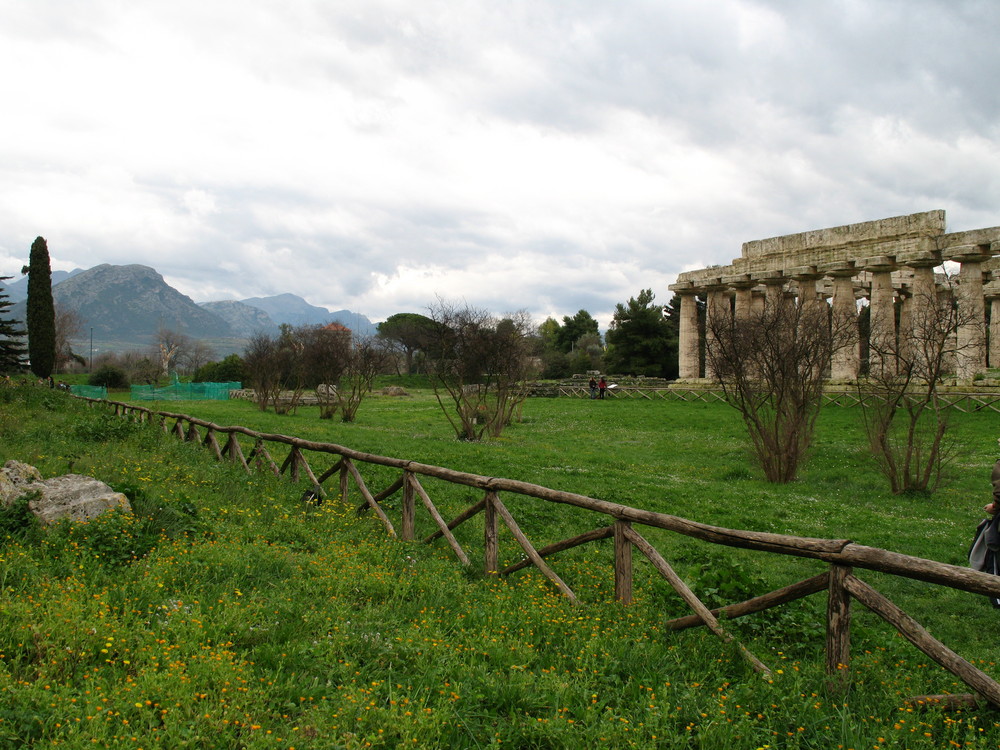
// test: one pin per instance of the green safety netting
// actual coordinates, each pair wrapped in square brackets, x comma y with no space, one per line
[89,391]
[184,392]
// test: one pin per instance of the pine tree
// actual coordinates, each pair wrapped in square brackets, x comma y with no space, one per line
[12,346]
[41,310]
[641,340]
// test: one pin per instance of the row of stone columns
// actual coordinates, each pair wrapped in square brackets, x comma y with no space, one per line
[915,284]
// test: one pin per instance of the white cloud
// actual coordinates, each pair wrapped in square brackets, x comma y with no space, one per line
[373,154]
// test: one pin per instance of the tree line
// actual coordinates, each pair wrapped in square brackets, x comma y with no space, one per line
[641,340]
[771,365]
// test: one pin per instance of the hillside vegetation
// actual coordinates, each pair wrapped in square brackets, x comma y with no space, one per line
[227,614]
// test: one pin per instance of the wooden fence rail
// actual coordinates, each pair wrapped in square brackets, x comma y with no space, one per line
[842,555]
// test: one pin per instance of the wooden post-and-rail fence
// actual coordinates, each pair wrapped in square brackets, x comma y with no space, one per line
[622,525]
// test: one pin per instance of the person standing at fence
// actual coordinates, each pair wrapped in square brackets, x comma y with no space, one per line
[593,388]
[984,555]
[602,386]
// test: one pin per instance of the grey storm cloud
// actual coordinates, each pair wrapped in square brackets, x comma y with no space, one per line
[543,155]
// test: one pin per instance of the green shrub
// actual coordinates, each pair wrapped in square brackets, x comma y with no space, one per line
[17,522]
[229,370]
[172,520]
[110,377]
[112,539]
[102,427]
[32,395]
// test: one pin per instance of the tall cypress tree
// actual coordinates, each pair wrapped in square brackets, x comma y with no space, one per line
[41,310]
[12,347]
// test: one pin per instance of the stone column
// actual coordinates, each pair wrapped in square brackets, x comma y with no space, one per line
[923,287]
[742,286]
[904,291]
[847,357]
[991,292]
[716,306]
[994,333]
[882,338]
[809,296]
[971,354]
[774,287]
[688,339]
[920,301]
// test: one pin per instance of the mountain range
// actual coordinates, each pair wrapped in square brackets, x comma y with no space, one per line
[125,306]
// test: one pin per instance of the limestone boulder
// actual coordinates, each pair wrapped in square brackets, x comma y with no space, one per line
[14,476]
[73,496]
[76,497]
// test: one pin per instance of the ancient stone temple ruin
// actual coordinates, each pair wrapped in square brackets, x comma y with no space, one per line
[882,261]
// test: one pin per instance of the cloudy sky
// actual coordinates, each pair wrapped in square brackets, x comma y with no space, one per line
[547,155]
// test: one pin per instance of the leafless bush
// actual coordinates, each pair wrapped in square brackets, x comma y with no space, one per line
[771,365]
[478,365]
[262,359]
[368,357]
[904,417]
[327,354]
[68,325]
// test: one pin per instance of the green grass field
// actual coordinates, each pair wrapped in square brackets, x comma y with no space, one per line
[225,614]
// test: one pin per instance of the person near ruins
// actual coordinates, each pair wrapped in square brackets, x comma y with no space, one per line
[602,386]
[593,387]
[984,555]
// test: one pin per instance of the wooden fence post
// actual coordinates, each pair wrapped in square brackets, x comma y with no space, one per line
[490,531]
[838,629]
[623,562]
[408,509]
[345,472]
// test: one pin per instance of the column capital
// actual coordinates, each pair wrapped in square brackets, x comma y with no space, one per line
[739,281]
[919,259]
[991,290]
[683,287]
[967,253]
[878,263]
[804,273]
[714,285]
[770,278]
[838,268]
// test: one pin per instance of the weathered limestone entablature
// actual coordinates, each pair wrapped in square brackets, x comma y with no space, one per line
[884,260]
[885,237]
[913,241]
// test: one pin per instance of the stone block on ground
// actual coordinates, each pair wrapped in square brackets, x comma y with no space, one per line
[72,496]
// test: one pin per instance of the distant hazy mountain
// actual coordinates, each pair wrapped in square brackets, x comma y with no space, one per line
[126,305]
[132,302]
[245,320]
[18,290]
[291,309]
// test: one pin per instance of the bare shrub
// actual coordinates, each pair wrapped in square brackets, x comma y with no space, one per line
[479,365]
[368,357]
[771,365]
[905,420]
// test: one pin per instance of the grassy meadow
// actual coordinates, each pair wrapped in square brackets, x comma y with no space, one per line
[227,614]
